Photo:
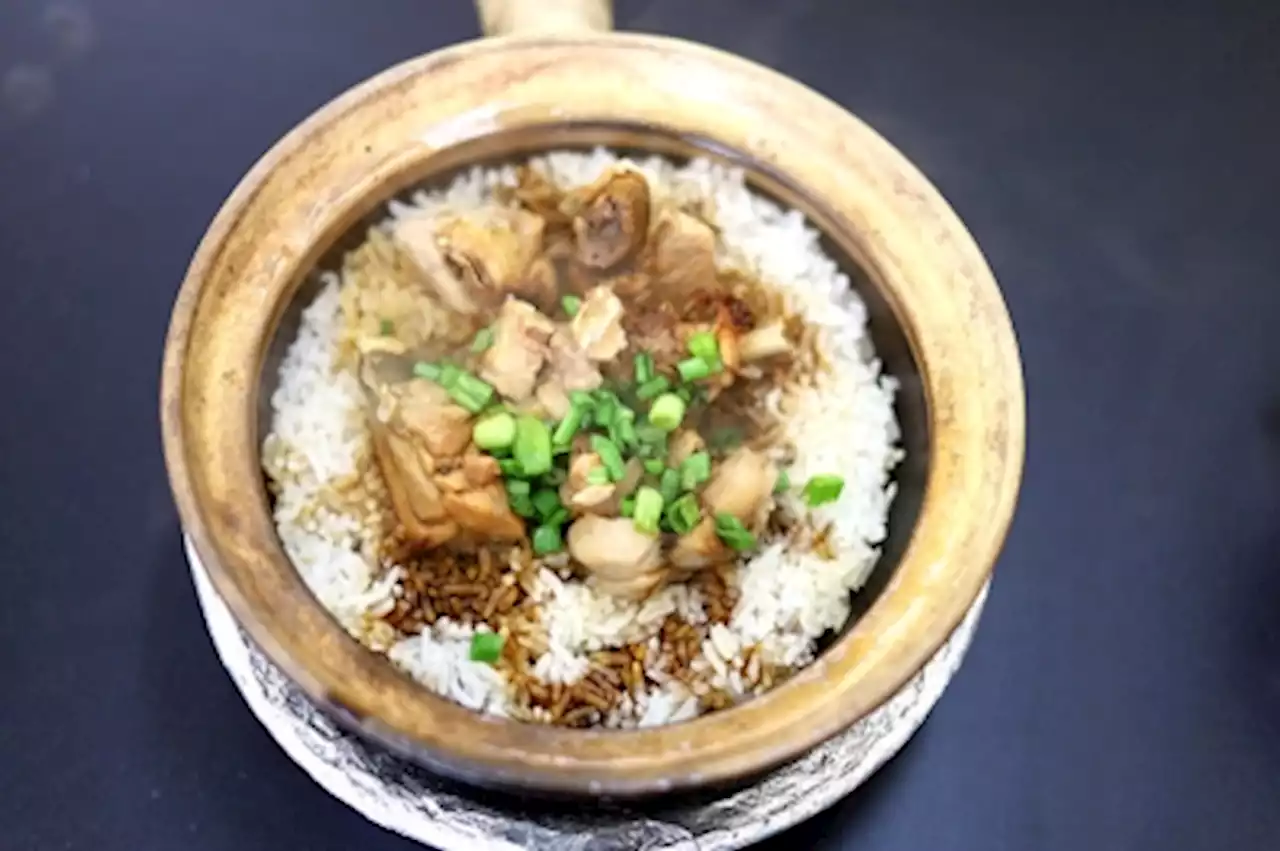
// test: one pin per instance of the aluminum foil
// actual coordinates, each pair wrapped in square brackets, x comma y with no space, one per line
[405,798]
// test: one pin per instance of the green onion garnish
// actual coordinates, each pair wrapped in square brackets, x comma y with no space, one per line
[648,510]
[510,466]
[783,483]
[683,514]
[547,502]
[546,539]
[703,345]
[429,371]
[486,647]
[532,447]
[386,327]
[693,369]
[558,518]
[581,399]
[695,470]
[568,426]
[517,487]
[606,408]
[496,431]
[483,340]
[610,456]
[644,367]
[628,507]
[597,476]
[654,387]
[470,392]
[667,412]
[449,375]
[822,489]
[669,485]
[733,533]
[623,430]
[654,466]
[571,304]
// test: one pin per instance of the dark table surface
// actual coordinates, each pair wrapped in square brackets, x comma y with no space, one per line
[1118,168]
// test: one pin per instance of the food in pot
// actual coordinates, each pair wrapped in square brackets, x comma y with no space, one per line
[589,442]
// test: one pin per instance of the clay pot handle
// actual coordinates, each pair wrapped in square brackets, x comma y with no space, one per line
[527,17]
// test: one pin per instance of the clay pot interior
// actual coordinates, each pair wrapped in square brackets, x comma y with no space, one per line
[513,146]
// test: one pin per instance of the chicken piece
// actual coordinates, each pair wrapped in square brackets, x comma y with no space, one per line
[683,443]
[613,223]
[636,588]
[657,331]
[424,410]
[580,494]
[553,398]
[570,366]
[701,547]
[485,512]
[765,342]
[597,326]
[541,196]
[742,485]
[616,553]
[684,253]
[537,285]
[512,363]
[500,246]
[418,238]
[480,469]
[415,499]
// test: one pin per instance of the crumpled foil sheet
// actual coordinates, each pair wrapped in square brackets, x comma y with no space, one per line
[407,799]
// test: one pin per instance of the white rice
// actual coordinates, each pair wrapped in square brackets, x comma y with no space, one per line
[843,424]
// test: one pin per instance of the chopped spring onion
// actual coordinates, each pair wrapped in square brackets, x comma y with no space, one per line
[568,426]
[532,447]
[667,412]
[510,466]
[429,371]
[547,539]
[703,345]
[597,476]
[628,507]
[694,369]
[783,483]
[683,514]
[571,304]
[610,456]
[496,431]
[517,487]
[471,393]
[733,533]
[386,327]
[558,518]
[521,504]
[669,485]
[653,387]
[648,510]
[486,647]
[581,399]
[449,375]
[606,408]
[695,470]
[623,430]
[654,466]
[546,502]
[823,488]
[644,367]
[483,340]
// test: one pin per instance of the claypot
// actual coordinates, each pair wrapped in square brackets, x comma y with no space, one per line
[557,78]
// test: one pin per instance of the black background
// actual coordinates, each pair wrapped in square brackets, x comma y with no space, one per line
[1119,169]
